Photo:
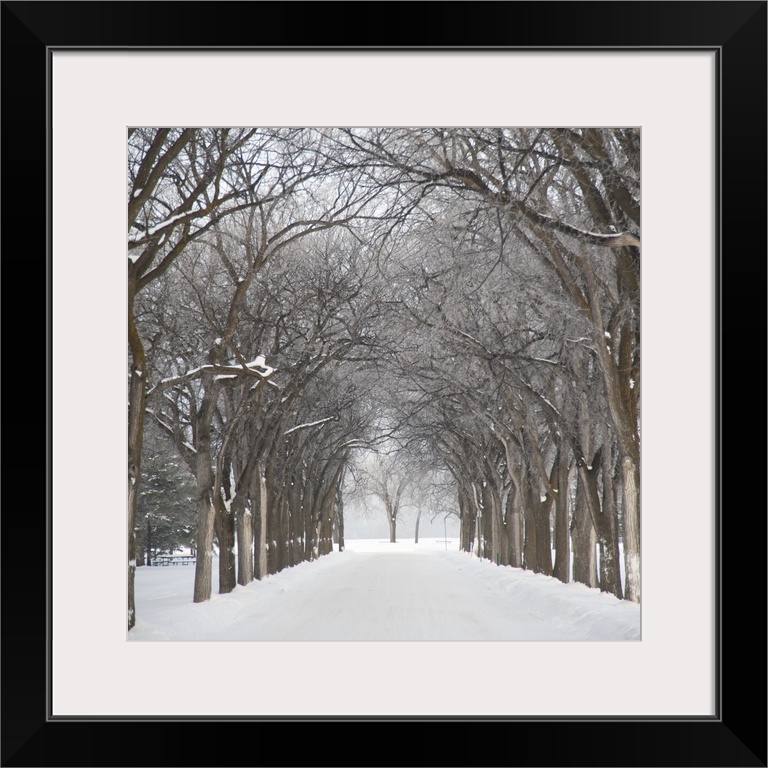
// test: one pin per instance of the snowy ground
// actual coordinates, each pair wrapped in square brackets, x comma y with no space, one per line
[377,591]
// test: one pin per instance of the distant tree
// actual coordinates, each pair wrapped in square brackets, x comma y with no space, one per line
[432,494]
[384,479]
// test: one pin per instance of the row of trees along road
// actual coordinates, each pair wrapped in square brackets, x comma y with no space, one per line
[299,297]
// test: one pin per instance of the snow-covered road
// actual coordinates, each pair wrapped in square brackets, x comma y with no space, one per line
[376,591]
[386,596]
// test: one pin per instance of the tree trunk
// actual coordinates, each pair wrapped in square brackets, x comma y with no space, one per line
[631,497]
[244,544]
[326,525]
[258,552]
[272,517]
[308,522]
[136,406]
[340,522]
[466,517]
[260,526]
[331,501]
[206,511]
[497,526]
[515,527]
[292,517]
[530,547]
[584,539]
[278,538]
[206,515]
[392,529]
[479,523]
[600,511]
[610,575]
[562,569]
[225,526]
[543,536]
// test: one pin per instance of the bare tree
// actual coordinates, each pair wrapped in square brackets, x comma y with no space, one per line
[384,479]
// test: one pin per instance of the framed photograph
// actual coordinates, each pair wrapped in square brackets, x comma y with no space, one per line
[691,78]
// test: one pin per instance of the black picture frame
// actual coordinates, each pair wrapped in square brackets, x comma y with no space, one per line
[736,736]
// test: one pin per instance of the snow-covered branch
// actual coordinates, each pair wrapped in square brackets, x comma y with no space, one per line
[309,424]
[610,240]
[256,368]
